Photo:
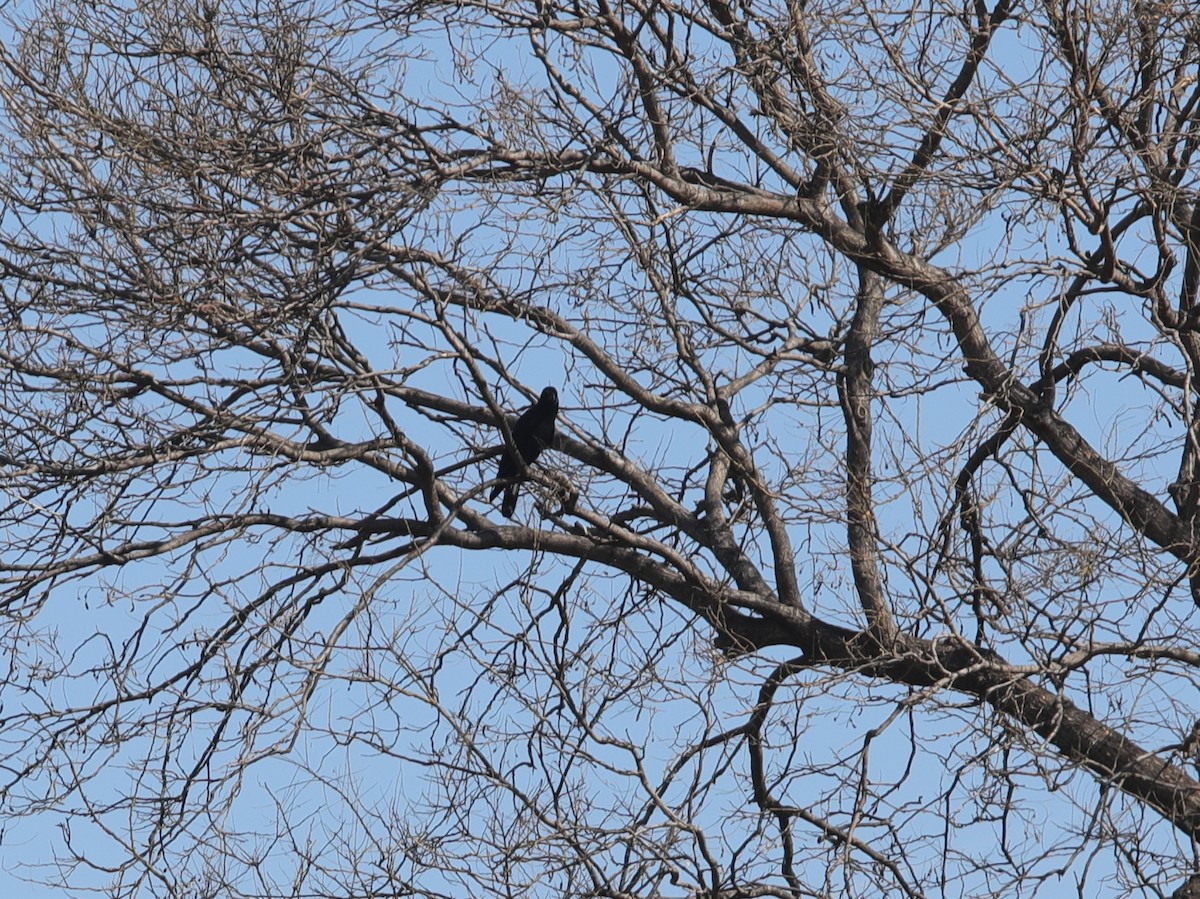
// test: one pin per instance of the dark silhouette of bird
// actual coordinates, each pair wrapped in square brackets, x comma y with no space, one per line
[533,432]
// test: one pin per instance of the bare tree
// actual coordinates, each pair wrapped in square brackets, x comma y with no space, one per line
[865,562]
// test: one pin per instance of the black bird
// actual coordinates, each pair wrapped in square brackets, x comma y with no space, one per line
[533,432]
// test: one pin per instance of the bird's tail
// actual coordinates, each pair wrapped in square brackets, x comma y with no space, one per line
[510,501]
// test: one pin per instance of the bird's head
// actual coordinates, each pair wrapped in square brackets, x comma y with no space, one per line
[549,399]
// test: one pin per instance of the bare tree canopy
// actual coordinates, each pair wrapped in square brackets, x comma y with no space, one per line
[864,562]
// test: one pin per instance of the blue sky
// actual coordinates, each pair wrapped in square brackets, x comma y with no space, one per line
[397,622]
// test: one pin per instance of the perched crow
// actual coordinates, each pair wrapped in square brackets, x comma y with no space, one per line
[533,432]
